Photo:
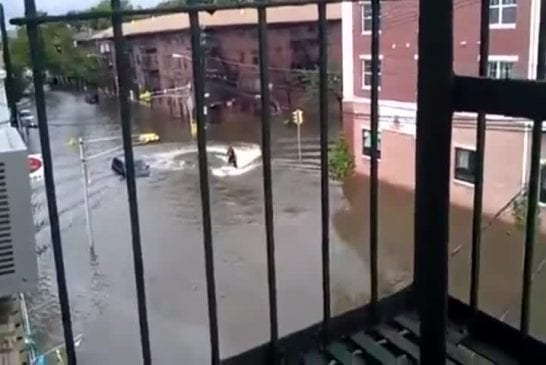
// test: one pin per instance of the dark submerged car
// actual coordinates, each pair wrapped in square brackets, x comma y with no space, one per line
[142,169]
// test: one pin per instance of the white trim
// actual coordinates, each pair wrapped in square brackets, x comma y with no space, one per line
[367,57]
[502,26]
[361,5]
[462,183]
[534,21]
[502,58]
[347,34]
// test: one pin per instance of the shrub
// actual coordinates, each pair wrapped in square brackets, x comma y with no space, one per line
[519,210]
[340,160]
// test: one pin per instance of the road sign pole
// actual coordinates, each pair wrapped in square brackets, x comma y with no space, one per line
[299,141]
[85,177]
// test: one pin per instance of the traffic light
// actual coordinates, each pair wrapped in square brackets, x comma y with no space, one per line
[297,116]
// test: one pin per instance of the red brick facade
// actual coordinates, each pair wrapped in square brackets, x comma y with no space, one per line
[513,43]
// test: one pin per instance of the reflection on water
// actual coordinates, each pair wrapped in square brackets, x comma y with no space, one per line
[102,292]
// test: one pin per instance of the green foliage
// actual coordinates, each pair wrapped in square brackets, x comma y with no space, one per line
[311,82]
[60,56]
[170,3]
[519,210]
[340,160]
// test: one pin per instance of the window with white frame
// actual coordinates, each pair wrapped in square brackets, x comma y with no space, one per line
[500,69]
[367,72]
[366,17]
[502,12]
[367,143]
[465,164]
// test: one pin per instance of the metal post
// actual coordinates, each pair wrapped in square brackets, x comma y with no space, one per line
[478,180]
[268,195]
[432,172]
[299,141]
[85,178]
[122,66]
[198,67]
[37,69]
[324,174]
[374,178]
[533,196]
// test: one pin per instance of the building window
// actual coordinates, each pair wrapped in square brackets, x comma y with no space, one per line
[500,69]
[366,17]
[542,192]
[367,143]
[502,12]
[255,58]
[367,73]
[465,164]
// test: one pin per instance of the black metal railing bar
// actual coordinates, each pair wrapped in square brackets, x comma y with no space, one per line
[324,174]
[534,183]
[198,66]
[36,19]
[124,82]
[480,158]
[53,213]
[267,181]
[374,175]
[433,153]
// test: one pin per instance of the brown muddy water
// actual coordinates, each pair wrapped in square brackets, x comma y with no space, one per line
[102,291]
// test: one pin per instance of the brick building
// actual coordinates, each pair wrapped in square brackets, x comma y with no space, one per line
[513,54]
[160,51]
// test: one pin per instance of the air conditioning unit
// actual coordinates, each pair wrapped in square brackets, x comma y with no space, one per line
[18,261]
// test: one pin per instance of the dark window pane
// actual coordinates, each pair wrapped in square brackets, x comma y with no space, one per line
[509,15]
[465,165]
[494,16]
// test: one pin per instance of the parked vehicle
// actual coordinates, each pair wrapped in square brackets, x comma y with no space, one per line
[142,169]
[26,119]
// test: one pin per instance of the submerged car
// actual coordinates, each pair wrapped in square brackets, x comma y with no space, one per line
[142,169]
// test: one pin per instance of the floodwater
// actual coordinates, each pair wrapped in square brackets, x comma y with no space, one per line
[102,290]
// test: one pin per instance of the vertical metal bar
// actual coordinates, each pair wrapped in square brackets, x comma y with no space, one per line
[478,180]
[374,178]
[534,183]
[10,85]
[433,156]
[266,161]
[35,45]
[324,177]
[199,89]
[122,68]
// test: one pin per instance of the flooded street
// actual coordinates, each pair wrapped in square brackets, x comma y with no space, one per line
[102,291]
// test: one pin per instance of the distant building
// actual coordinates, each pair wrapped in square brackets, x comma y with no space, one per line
[160,51]
[513,54]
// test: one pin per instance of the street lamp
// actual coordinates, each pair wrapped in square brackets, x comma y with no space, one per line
[144,138]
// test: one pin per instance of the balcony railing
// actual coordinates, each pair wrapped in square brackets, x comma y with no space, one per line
[418,324]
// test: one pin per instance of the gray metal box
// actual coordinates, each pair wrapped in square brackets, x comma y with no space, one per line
[18,260]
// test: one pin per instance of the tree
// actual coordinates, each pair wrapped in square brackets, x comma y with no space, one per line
[311,82]
[170,3]
[60,55]
[104,5]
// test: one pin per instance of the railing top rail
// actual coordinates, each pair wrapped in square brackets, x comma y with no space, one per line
[89,15]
